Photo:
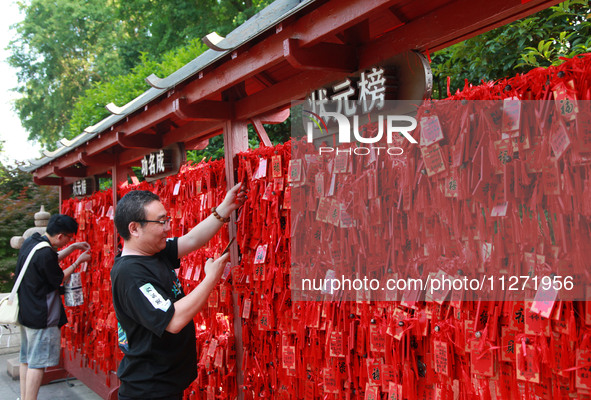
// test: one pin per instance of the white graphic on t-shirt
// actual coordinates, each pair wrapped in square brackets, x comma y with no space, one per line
[154,297]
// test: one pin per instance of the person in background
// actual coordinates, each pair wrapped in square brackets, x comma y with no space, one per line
[41,312]
[155,318]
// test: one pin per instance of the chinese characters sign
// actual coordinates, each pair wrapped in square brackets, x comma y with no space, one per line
[163,163]
[153,163]
[83,187]
[353,95]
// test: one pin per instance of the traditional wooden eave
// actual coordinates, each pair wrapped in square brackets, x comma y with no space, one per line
[278,56]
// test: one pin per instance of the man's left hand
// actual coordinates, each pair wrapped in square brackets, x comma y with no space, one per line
[234,199]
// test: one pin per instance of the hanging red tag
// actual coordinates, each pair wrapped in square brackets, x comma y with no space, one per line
[262,169]
[246,308]
[287,198]
[213,344]
[264,320]
[394,391]
[433,159]
[559,139]
[278,185]
[212,300]
[508,345]
[336,344]
[341,162]
[319,185]
[330,381]
[441,358]
[583,375]
[259,273]
[276,166]
[333,213]
[377,340]
[500,210]
[566,100]
[430,130]
[511,116]
[374,372]
[295,171]
[323,209]
[583,132]
[219,358]
[344,217]
[177,188]
[545,299]
[534,324]
[517,317]
[261,254]
[268,192]
[504,152]
[551,178]
[288,357]
[372,392]
[482,361]
[388,376]
[527,369]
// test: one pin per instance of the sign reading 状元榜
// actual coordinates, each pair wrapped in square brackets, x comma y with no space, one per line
[362,94]
[383,98]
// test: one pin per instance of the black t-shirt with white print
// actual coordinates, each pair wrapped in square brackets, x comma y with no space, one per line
[157,363]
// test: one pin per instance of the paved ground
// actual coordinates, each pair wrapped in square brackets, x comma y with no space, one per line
[70,389]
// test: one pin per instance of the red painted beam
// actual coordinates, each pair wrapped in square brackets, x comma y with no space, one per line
[141,141]
[335,16]
[453,21]
[47,180]
[261,132]
[274,117]
[444,26]
[323,56]
[103,159]
[312,28]
[197,144]
[154,113]
[193,130]
[70,172]
[284,92]
[206,110]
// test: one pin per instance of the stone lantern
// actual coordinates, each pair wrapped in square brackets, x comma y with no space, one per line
[41,221]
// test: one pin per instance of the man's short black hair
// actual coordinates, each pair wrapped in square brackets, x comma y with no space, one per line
[131,208]
[61,223]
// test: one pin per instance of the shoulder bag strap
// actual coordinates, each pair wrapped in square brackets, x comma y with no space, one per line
[25,266]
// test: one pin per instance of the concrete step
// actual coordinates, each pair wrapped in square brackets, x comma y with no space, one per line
[10,339]
[13,368]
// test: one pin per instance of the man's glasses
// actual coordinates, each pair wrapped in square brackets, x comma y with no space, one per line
[158,221]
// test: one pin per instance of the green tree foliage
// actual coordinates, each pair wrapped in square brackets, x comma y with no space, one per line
[121,89]
[63,48]
[20,199]
[536,41]
[59,49]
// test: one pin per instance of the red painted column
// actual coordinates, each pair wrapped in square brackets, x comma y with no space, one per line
[235,141]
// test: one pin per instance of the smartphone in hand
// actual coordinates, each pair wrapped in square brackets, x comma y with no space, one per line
[228,246]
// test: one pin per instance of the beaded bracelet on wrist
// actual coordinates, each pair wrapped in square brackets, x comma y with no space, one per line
[218,216]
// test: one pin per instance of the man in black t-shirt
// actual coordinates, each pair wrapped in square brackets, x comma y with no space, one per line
[155,318]
[41,312]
